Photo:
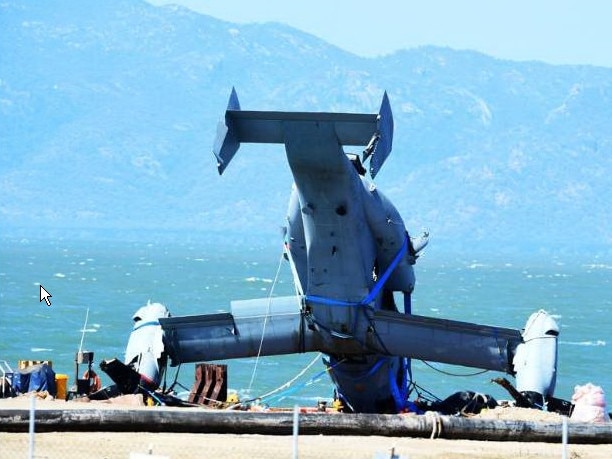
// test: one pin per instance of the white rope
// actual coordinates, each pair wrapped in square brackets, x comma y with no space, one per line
[84,330]
[295,378]
[283,386]
[263,331]
[436,424]
[294,272]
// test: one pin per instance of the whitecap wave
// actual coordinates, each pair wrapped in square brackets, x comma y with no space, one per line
[259,279]
[40,349]
[598,266]
[475,265]
[596,343]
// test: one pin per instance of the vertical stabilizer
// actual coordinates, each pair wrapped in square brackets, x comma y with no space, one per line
[384,138]
[226,143]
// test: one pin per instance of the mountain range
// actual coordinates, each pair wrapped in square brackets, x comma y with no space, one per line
[108,112]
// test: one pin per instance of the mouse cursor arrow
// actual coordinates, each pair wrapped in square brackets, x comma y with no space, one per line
[44,295]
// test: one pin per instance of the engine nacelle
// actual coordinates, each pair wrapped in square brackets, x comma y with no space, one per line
[146,346]
[535,360]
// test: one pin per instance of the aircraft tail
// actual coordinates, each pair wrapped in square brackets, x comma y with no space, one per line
[375,131]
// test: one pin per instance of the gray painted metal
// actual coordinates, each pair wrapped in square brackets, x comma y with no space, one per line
[226,336]
[447,341]
[269,127]
[349,251]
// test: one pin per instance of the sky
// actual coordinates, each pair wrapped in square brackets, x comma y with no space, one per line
[552,31]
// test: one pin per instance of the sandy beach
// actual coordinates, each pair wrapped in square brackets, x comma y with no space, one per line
[200,445]
[173,445]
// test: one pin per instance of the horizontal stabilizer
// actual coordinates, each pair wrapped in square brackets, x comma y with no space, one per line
[269,127]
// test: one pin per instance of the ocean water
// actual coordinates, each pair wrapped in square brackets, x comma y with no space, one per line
[106,282]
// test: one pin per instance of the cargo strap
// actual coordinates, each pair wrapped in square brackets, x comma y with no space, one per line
[380,283]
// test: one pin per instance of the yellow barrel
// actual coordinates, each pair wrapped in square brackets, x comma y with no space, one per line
[61,383]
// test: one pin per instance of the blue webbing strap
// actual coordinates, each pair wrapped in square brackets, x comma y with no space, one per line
[367,374]
[399,393]
[330,301]
[146,324]
[380,283]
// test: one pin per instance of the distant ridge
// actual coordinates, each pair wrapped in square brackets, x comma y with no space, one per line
[108,114]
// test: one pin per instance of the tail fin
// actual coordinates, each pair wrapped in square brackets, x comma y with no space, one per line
[374,130]
[226,143]
[380,145]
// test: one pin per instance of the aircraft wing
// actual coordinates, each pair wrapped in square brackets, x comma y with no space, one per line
[274,324]
[279,327]
[447,341]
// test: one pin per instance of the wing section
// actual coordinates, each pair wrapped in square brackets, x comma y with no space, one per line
[447,341]
[274,324]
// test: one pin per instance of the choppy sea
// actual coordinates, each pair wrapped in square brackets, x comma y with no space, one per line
[96,286]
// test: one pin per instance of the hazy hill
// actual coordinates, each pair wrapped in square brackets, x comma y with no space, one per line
[108,114]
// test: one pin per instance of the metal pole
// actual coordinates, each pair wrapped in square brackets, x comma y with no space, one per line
[32,411]
[564,436]
[296,411]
